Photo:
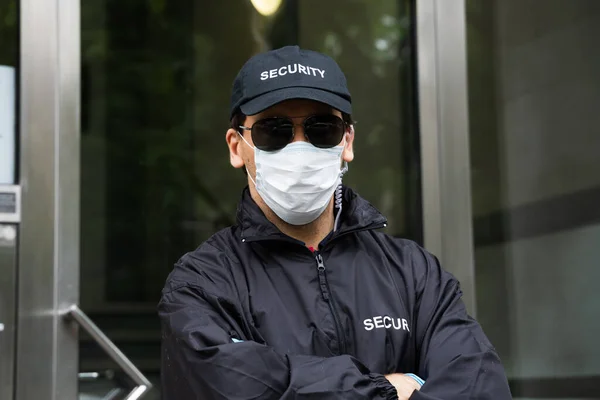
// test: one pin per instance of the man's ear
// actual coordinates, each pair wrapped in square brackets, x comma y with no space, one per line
[234,142]
[348,154]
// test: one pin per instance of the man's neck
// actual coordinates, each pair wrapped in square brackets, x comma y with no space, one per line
[311,234]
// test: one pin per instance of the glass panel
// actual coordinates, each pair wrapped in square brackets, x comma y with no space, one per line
[534,91]
[156,179]
[9,60]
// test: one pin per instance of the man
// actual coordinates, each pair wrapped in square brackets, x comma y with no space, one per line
[304,297]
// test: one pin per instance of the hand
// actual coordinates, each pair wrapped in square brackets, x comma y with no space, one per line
[405,385]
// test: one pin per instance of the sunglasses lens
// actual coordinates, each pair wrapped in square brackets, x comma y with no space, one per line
[271,134]
[324,131]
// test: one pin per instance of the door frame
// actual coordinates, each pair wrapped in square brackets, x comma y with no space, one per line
[48,262]
[444,134]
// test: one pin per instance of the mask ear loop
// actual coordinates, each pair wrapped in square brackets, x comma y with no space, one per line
[253,148]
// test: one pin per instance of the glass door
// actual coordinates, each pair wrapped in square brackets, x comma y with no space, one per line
[155,175]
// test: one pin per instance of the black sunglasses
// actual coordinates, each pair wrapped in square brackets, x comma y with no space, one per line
[272,134]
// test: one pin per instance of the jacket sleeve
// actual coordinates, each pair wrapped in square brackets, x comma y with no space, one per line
[201,361]
[456,359]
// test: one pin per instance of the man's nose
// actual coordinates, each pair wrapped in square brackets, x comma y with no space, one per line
[299,133]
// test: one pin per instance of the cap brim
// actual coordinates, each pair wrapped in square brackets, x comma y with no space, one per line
[269,99]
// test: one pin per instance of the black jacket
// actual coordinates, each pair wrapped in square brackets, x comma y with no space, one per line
[254,314]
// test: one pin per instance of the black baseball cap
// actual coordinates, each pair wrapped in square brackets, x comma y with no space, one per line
[289,73]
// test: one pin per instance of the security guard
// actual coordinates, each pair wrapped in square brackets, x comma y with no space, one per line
[304,298]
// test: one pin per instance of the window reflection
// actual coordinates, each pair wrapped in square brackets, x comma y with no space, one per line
[9,33]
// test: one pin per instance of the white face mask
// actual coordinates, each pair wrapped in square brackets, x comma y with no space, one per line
[298,181]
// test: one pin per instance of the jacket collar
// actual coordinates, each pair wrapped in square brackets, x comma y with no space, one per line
[357,214]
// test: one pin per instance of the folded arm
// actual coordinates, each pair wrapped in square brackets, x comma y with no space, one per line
[201,361]
[456,359]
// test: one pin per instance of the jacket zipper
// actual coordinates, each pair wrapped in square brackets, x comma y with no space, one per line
[327,296]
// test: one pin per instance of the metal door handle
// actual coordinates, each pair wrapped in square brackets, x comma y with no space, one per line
[143,384]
